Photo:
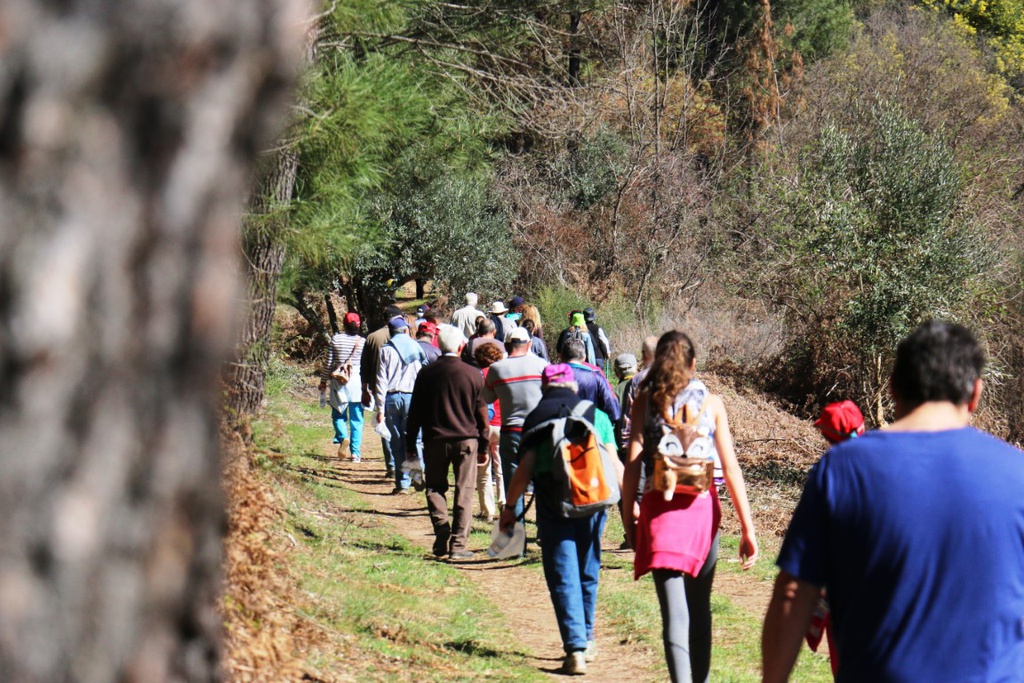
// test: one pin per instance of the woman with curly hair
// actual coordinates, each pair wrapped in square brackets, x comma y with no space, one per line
[677,539]
[489,472]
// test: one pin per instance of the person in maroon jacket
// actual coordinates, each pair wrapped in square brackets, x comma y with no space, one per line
[448,405]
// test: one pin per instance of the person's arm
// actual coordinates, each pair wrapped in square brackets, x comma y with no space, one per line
[634,467]
[734,482]
[325,373]
[381,388]
[490,395]
[785,625]
[605,343]
[606,400]
[415,419]
[482,422]
[516,489]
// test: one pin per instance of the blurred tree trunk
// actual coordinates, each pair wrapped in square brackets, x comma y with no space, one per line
[128,131]
[265,247]
[264,250]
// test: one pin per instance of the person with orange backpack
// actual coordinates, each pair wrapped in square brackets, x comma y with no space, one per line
[568,451]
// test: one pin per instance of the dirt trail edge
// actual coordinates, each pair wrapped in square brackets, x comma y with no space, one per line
[516,587]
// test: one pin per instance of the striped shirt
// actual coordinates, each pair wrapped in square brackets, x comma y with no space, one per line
[515,383]
[341,348]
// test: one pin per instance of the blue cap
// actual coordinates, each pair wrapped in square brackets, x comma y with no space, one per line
[398,323]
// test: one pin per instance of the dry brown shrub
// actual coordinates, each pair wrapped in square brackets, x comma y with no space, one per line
[264,634]
[774,449]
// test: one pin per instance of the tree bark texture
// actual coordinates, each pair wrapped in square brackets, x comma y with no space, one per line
[128,131]
[264,253]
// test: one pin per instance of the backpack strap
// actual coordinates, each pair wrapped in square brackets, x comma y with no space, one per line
[557,424]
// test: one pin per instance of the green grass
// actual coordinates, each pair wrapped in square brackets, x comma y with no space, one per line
[395,615]
[410,618]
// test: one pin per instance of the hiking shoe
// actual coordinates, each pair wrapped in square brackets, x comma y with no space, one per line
[356,457]
[343,451]
[590,654]
[441,546]
[461,555]
[399,491]
[575,664]
[390,474]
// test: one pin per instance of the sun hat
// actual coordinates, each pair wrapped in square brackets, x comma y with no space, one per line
[577,320]
[352,317]
[559,373]
[518,336]
[840,421]
[398,323]
[498,308]
[625,362]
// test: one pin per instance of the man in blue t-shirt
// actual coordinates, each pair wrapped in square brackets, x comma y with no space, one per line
[917,533]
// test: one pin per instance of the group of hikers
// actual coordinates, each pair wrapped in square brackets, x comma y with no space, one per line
[906,549]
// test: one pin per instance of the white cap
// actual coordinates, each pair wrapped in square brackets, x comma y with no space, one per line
[518,336]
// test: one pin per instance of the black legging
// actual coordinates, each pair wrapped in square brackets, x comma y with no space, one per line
[686,619]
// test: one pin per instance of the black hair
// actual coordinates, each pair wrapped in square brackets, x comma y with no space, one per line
[352,327]
[939,361]
[528,326]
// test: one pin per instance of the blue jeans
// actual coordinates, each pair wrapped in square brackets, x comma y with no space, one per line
[349,425]
[571,556]
[508,447]
[396,415]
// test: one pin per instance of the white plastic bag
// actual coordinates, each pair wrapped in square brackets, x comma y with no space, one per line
[323,399]
[382,431]
[415,469]
[505,545]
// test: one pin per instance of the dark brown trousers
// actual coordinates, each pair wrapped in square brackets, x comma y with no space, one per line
[460,456]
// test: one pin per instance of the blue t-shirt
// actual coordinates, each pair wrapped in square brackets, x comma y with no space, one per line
[919,539]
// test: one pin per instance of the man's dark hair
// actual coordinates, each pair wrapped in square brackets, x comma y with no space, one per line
[574,349]
[939,361]
[528,325]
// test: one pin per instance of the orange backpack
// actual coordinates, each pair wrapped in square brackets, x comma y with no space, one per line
[583,466]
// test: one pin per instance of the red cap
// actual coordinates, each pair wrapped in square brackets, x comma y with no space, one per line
[840,421]
[352,317]
[427,327]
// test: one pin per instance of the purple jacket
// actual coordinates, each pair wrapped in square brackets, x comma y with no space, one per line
[594,387]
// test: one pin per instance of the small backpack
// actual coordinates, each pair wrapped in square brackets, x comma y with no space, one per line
[583,467]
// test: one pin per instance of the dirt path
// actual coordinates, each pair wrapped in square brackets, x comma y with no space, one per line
[528,611]
[526,608]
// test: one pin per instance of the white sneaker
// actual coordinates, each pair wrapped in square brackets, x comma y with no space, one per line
[590,654]
[575,664]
